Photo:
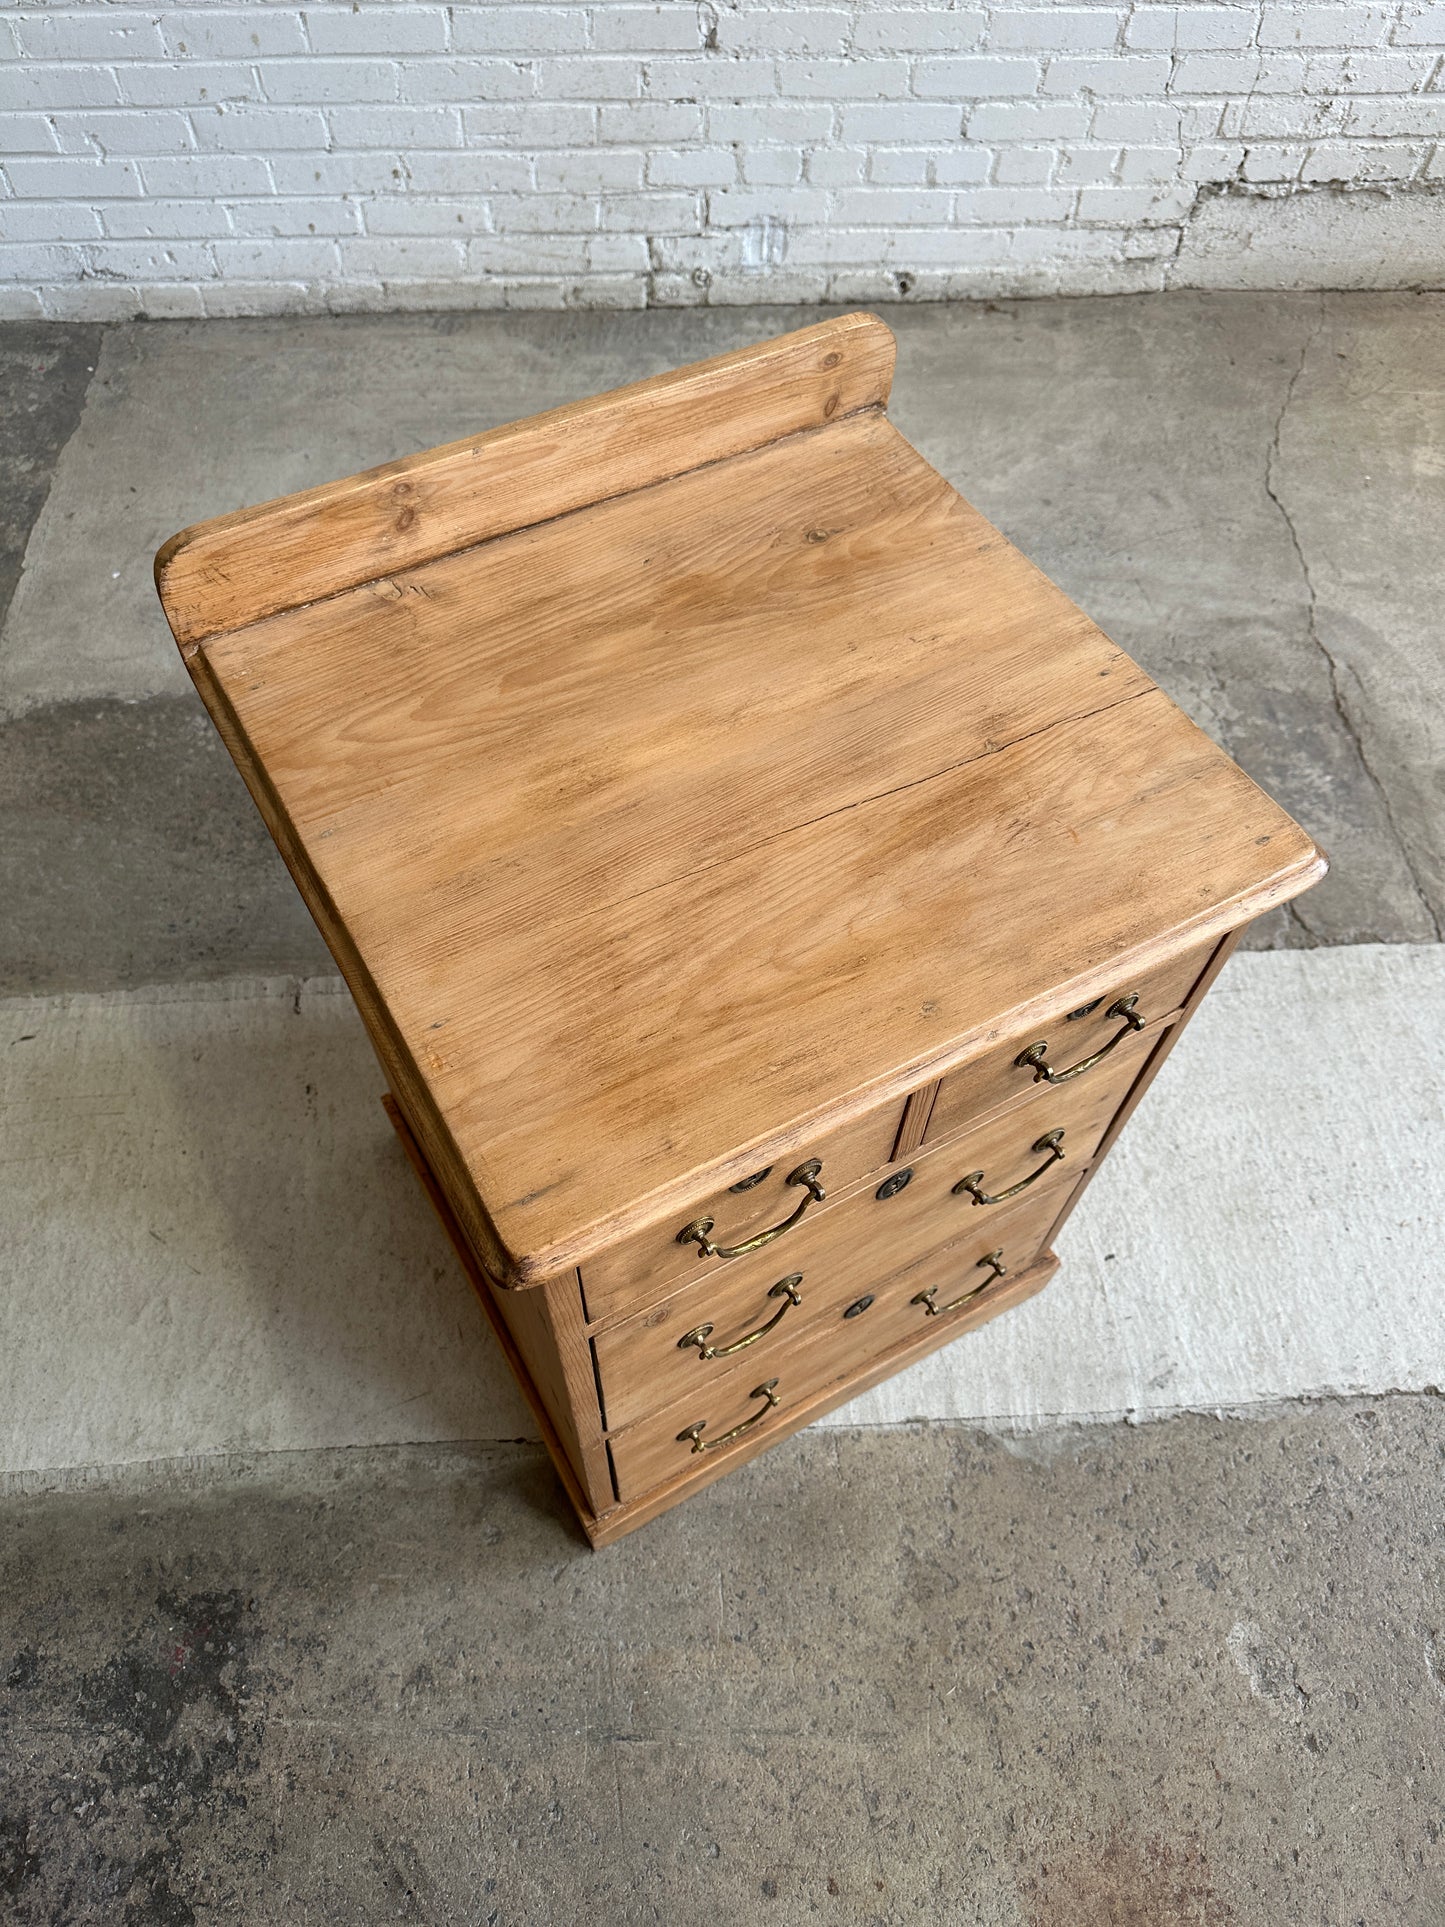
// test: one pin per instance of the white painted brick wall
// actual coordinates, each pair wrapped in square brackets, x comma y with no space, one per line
[252,156]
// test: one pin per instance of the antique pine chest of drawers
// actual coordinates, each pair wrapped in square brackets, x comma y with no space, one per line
[767,895]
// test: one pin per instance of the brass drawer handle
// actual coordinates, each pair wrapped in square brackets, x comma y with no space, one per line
[1033,1058]
[766,1391]
[785,1288]
[697,1232]
[973,1183]
[992,1262]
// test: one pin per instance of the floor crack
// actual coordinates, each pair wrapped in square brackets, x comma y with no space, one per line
[1337,694]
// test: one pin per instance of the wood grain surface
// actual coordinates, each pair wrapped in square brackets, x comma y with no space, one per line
[237,568]
[664,835]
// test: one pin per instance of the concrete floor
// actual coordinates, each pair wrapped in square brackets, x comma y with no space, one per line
[1192,1671]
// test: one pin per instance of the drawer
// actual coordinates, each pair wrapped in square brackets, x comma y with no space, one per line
[637,1268]
[947,1288]
[757,1304]
[1075,1046]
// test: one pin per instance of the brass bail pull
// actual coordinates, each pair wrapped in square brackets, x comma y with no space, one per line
[991,1262]
[1051,1142]
[693,1433]
[785,1288]
[699,1231]
[1032,1059]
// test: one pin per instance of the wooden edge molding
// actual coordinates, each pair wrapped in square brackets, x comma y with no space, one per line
[235,569]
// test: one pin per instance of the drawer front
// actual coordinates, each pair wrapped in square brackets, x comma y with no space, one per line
[635,1269]
[756,1305]
[947,1288]
[1069,1042]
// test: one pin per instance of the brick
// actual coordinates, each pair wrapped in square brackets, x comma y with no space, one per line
[486,172]
[281,259]
[708,78]
[1177,29]
[545,213]
[1278,117]
[652,123]
[520,30]
[1082,165]
[1420,115]
[1123,75]
[646,30]
[617,253]
[902,166]
[100,34]
[539,124]
[165,220]
[534,253]
[835,166]
[737,206]
[595,170]
[44,89]
[257,130]
[783,120]
[786,31]
[605,79]
[178,301]
[1140,164]
[153,260]
[1385,72]
[371,173]
[389,256]
[129,131]
[1025,166]
[1273,162]
[466,81]
[205,175]
[63,177]
[771,166]
[41,261]
[845,79]
[284,216]
[186,83]
[406,214]
[30,134]
[893,207]
[1347,26]
[1130,206]
[400,127]
[692,167]
[213,33]
[1150,123]
[1421,27]
[1055,29]
[1004,206]
[1212,161]
[1028,120]
[344,81]
[1353,161]
[51,221]
[990,77]
[961,166]
[377,30]
[901,30]
[1216,73]
[902,122]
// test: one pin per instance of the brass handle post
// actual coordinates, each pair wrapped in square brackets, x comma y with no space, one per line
[700,1230]
[785,1288]
[1032,1059]
[973,1183]
[991,1262]
[693,1433]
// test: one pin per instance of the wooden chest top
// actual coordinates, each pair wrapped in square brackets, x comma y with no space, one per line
[694,767]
